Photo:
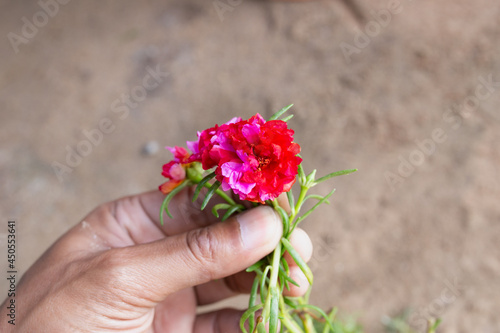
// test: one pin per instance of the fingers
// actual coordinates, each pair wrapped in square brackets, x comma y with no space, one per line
[299,277]
[225,320]
[222,321]
[214,291]
[139,214]
[283,202]
[186,215]
[200,255]
[135,220]
[241,282]
[176,313]
[302,244]
[153,271]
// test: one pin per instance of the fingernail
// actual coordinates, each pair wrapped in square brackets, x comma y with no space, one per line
[259,227]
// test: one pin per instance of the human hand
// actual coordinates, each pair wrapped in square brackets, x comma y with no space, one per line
[119,270]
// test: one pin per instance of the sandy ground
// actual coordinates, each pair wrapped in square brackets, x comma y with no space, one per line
[408,103]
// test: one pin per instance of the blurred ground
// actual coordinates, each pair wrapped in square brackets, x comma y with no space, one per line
[406,104]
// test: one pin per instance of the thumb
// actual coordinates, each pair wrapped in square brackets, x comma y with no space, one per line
[157,269]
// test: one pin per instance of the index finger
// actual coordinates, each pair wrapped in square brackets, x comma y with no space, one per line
[144,209]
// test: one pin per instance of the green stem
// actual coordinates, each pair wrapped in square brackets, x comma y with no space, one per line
[305,299]
[223,195]
[308,324]
[291,325]
[298,205]
[300,201]
[273,280]
[306,318]
[286,320]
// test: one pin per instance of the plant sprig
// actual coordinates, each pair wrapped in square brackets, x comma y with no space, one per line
[272,272]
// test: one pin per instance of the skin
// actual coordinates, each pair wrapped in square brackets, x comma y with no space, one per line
[119,270]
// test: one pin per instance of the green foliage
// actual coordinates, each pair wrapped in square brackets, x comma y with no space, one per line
[281,112]
[169,197]
[399,323]
[202,184]
[296,314]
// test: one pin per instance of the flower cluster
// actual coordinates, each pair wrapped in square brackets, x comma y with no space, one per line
[257,159]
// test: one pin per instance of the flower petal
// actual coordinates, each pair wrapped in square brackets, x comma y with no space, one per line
[177,172]
[168,187]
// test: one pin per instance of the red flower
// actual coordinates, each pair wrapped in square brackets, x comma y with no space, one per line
[175,170]
[254,158]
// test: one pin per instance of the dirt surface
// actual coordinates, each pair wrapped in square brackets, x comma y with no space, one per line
[406,104]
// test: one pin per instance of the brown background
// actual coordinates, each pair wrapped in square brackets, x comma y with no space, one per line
[429,242]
